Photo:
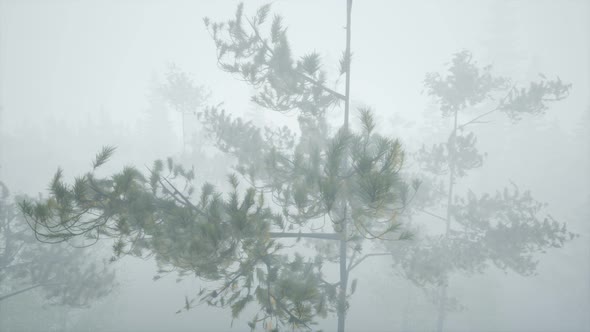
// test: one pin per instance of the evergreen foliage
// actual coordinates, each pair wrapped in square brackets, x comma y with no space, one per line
[330,187]
[62,273]
[505,229]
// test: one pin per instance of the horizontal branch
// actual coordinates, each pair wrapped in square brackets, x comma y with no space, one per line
[320,85]
[323,236]
[15,293]
[474,120]
[433,215]
[367,256]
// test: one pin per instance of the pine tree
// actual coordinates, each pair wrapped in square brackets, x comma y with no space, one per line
[155,128]
[60,272]
[506,228]
[332,189]
[338,190]
[181,93]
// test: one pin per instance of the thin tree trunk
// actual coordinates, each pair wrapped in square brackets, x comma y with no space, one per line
[442,301]
[348,61]
[406,315]
[342,307]
[343,275]
[183,138]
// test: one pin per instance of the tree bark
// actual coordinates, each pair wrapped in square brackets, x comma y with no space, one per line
[342,307]
[442,301]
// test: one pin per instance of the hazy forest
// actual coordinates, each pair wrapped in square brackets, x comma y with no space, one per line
[330,165]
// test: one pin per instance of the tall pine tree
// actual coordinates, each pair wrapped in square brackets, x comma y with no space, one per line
[332,188]
[337,189]
[506,228]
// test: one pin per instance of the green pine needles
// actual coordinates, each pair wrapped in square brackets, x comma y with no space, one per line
[506,229]
[333,189]
[339,190]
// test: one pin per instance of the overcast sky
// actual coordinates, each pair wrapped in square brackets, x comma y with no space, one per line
[67,60]
[73,57]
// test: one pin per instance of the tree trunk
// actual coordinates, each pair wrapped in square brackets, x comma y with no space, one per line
[343,282]
[342,305]
[183,138]
[442,301]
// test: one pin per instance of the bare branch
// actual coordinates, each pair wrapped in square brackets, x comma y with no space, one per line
[360,260]
[433,215]
[324,236]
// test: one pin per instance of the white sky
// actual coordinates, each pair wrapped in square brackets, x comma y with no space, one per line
[66,59]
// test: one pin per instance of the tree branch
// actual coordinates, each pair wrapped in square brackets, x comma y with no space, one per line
[324,236]
[177,192]
[302,75]
[433,215]
[291,315]
[15,293]
[474,120]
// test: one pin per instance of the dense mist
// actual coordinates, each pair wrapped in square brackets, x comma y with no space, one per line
[161,171]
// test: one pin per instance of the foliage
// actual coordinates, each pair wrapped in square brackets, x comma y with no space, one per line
[228,237]
[65,275]
[506,229]
[328,187]
[181,93]
[266,62]
[332,187]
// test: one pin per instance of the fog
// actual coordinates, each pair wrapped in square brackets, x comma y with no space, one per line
[77,75]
